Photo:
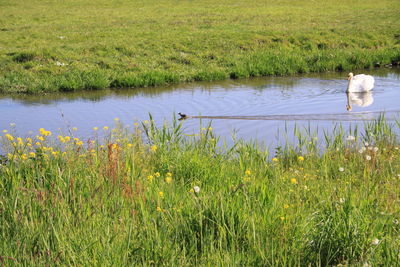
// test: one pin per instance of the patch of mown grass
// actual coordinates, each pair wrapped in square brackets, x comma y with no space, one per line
[137,44]
[169,198]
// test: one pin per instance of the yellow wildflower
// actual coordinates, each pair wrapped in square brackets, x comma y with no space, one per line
[146,122]
[293,181]
[282,218]
[28,140]
[62,139]
[275,159]
[20,141]
[300,158]
[116,119]
[136,124]
[247,172]
[169,174]
[159,209]
[95,128]
[129,145]
[9,137]
[168,179]
[157,174]
[38,144]
[105,128]
[5,131]
[74,129]
[286,206]
[24,156]
[161,194]
[150,178]
[67,138]
[210,128]
[153,148]
[32,154]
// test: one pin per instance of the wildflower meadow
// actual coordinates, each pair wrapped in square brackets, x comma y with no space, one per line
[155,196]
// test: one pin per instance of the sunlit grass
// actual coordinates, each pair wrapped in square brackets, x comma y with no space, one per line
[81,44]
[155,196]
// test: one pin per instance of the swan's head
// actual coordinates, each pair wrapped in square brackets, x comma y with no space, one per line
[350,76]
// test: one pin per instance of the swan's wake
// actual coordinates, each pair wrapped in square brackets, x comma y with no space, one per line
[354,116]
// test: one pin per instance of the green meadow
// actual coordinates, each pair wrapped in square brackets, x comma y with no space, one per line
[80,44]
[177,200]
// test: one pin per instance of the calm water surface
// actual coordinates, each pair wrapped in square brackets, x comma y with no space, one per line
[316,100]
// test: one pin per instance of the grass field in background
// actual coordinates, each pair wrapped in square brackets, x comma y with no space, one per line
[82,44]
[182,200]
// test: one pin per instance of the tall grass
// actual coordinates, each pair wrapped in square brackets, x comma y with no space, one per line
[81,44]
[174,199]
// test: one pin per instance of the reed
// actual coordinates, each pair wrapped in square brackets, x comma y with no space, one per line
[156,196]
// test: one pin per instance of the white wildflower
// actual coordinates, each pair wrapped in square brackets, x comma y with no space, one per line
[350,138]
[375,241]
[196,189]
[58,63]
[341,169]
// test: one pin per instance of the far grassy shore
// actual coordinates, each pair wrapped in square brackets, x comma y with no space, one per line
[81,44]
[177,200]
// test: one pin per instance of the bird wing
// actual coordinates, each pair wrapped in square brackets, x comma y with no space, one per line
[362,83]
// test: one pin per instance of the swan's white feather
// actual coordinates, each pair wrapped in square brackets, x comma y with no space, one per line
[361,83]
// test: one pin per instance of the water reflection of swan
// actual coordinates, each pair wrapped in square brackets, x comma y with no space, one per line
[360,83]
[361,99]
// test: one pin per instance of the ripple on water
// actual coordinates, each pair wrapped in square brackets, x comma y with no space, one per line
[290,96]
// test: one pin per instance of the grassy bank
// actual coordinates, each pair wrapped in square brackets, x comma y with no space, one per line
[81,44]
[183,200]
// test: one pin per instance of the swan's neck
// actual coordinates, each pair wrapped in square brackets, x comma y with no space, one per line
[349,85]
[348,101]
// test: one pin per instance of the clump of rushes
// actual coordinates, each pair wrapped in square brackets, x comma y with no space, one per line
[158,196]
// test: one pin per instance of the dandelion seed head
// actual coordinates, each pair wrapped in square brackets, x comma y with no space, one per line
[196,189]
[341,169]
[368,157]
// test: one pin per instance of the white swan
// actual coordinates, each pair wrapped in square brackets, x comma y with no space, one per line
[360,83]
[362,99]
